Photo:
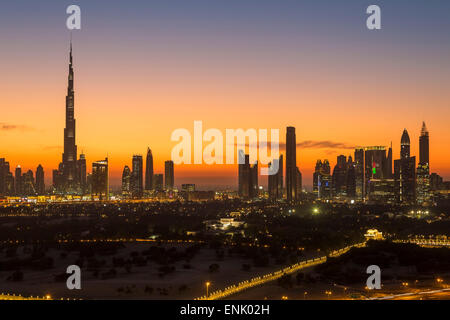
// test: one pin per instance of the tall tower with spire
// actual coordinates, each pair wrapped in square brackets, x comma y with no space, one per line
[69,157]
[149,170]
[423,169]
[405,173]
[405,145]
[424,145]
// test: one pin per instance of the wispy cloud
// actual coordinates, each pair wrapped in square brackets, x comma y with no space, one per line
[324,145]
[308,144]
[14,127]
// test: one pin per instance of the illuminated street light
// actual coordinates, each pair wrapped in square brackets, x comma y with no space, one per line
[207,287]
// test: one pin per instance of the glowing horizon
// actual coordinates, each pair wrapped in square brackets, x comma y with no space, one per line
[143,71]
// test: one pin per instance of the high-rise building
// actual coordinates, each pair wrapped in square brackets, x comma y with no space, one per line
[351,179]
[158,182]
[137,188]
[316,175]
[70,183]
[149,170]
[243,175]
[339,178]
[28,186]
[299,183]
[40,184]
[100,180]
[388,165]
[423,169]
[7,187]
[375,165]
[424,145]
[126,181]
[18,183]
[291,165]
[381,191]
[81,176]
[253,183]
[436,182]
[4,169]
[280,178]
[276,180]
[169,175]
[405,145]
[322,182]
[359,174]
[405,173]
[325,181]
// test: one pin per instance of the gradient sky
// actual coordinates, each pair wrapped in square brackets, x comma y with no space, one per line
[145,68]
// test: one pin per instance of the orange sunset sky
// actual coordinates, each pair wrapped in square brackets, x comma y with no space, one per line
[137,79]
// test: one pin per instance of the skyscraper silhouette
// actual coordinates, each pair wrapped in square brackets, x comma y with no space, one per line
[40,186]
[291,165]
[424,145]
[405,145]
[149,170]
[423,169]
[136,177]
[169,175]
[69,157]
[405,173]
[126,181]
[100,180]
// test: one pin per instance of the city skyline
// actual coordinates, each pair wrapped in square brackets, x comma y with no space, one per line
[308,84]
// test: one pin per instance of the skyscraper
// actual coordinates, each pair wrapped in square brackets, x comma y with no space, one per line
[243,175]
[424,145]
[169,175]
[280,178]
[149,170]
[253,183]
[359,174]
[299,183]
[291,165]
[322,182]
[339,178]
[405,145]
[28,185]
[4,169]
[40,185]
[69,157]
[405,173]
[81,175]
[351,179]
[126,181]
[137,177]
[18,181]
[423,169]
[388,166]
[100,180]
[276,180]
[316,175]
[158,182]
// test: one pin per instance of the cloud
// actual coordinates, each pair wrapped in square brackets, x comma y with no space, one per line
[12,127]
[307,144]
[324,145]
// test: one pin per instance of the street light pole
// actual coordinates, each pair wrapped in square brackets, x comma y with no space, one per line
[207,286]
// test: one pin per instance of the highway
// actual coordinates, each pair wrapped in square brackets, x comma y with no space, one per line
[244,285]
